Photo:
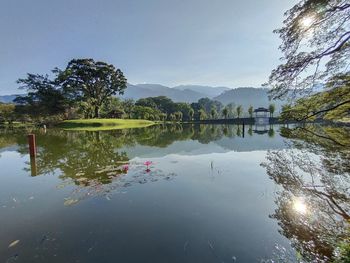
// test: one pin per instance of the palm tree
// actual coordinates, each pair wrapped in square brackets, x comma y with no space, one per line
[191,114]
[250,111]
[225,112]
[239,110]
[213,113]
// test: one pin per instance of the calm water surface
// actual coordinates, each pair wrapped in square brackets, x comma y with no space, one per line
[174,194]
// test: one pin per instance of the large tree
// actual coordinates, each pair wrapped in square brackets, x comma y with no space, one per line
[93,81]
[315,45]
[44,96]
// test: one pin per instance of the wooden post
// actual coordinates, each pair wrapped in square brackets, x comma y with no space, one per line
[33,168]
[32,145]
[32,153]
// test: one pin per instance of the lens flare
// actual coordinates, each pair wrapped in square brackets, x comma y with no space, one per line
[307,21]
[299,206]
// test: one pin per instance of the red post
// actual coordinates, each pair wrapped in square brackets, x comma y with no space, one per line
[32,145]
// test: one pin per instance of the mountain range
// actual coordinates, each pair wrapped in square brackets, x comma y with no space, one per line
[245,96]
[8,98]
[188,93]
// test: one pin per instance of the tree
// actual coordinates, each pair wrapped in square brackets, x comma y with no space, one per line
[239,111]
[272,109]
[163,116]
[165,104]
[178,115]
[7,112]
[112,108]
[333,103]
[128,106]
[146,102]
[141,112]
[85,108]
[208,104]
[44,96]
[185,109]
[250,111]
[191,114]
[231,109]
[213,113]
[287,113]
[315,45]
[196,108]
[93,81]
[225,112]
[202,114]
[172,117]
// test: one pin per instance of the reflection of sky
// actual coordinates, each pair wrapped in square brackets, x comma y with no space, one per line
[224,198]
[225,144]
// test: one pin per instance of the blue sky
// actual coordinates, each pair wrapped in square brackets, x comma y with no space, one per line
[170,42]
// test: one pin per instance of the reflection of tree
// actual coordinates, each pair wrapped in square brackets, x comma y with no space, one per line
[120,177]
[271,132]
[317,172]
[92,161]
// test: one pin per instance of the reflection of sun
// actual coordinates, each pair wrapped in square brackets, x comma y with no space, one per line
[307,21]
[299,206]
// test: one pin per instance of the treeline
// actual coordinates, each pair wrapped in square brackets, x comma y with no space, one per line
[89,89]
[159,108]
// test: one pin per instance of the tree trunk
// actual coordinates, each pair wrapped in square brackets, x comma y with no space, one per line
[97,112]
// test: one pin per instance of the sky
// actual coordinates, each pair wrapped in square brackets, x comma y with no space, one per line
[170,42]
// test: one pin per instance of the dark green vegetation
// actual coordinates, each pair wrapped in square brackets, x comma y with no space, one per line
[315,44]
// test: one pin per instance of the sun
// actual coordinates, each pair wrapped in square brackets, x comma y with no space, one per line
[307,21]
[299,206]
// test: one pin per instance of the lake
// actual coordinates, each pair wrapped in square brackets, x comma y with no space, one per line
[175,193]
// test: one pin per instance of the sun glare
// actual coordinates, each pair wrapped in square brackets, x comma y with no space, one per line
[307,21]
[299,206]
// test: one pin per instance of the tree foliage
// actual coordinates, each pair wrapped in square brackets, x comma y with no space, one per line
[239,111]
[7,112]
[44,96]
[333,103]
[250,111]
[93,81]
[315,45]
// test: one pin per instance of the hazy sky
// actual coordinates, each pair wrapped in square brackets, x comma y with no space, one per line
[170,42]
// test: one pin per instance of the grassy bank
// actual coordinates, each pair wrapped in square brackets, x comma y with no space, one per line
[103,124]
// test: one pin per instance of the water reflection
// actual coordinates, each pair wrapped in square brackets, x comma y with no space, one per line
[216,206]
[313,207]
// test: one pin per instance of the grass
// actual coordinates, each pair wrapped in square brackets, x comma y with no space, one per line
[16,124]
[103,124]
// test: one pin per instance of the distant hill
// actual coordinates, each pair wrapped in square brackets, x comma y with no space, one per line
[207,90]
[246,96]
[8,98]
[152,90]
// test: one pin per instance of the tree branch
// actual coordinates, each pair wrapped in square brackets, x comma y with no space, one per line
[325,110]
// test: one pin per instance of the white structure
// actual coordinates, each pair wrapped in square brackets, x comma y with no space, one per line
[262,116]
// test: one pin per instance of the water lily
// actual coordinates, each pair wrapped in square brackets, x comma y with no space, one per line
[148,163]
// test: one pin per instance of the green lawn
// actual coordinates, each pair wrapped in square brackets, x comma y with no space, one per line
[103,124]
